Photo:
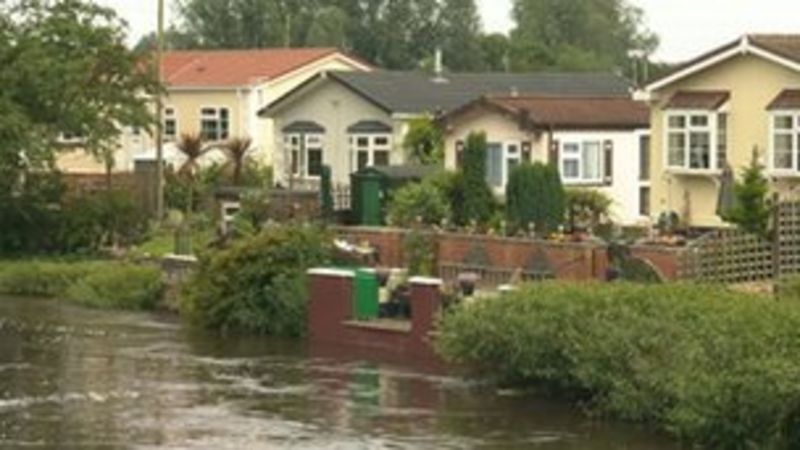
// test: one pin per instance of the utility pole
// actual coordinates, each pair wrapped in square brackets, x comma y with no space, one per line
[160,115]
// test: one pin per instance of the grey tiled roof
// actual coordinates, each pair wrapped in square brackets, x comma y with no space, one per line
[414,93]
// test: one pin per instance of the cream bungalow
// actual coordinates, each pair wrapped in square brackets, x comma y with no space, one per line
[218,94]
[597,143]
[716,110]
[354,120]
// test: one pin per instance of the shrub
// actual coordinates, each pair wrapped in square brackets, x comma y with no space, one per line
[472,199]
[751,211]
[258,284]
[587,208]
[119,286]
[424,142]
[535,196]
[418,203]
[43,279]
[708,365]
[420,253]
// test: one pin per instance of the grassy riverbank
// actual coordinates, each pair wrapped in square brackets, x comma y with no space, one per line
[707,365]
[94,283]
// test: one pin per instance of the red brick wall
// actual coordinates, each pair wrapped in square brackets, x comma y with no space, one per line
[570,261]
[330,311]
[666,260]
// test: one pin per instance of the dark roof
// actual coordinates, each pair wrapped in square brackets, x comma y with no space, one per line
[708,100]
[586,113]
[787,99]
[414,92]
[369,127]
[304,126]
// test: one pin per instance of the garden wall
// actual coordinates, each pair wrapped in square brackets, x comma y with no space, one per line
[494,257]
[665,260]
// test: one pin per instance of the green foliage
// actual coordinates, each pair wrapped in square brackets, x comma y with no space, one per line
[535,195]
[707,365]
[587,208]
[43,278]
[424,142]
[472,199]
[119,286]
[751,211]
[419,203]
[420,253]
[258,284]
[90,222]
[576,34]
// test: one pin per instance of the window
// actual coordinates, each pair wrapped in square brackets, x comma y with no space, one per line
[305,154]
[644,158]
[644,201]
[170,125]
[786,141]
[697,140]
[370,150]
[494,165]
[215,123]
[582,162]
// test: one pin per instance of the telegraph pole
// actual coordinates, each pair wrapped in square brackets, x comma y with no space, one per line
[160,115]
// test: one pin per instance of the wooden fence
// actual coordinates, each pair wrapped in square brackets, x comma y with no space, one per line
[735,256]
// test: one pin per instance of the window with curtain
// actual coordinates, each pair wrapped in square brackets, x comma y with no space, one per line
[494,165]
[582,162]
[215,124]
[696,140]
[305,154]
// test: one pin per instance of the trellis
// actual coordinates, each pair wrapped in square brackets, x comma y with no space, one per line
[735,256]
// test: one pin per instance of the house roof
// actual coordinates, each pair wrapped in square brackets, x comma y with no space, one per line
[708,100]
[303,126]
[780,48]
[584,113]
[369,127]
[418,93]
[236,68]
[787,99]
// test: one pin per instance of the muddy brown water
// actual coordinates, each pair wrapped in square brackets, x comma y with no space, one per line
[78,378]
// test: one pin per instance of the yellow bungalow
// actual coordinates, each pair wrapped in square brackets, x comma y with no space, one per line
[717,110]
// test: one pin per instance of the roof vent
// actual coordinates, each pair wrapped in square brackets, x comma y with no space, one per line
[438,68]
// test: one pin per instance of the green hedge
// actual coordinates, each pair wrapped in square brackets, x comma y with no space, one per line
[707,365]
[258,285]
[102,284]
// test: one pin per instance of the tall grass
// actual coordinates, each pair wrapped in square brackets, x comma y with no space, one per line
[709,366]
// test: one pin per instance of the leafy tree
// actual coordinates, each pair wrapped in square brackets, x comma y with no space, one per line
[459,32]
[577,34]
[495,50]
[535,196]
[424,142]
[236,150]
[329,28]
[752,209]
[472,199]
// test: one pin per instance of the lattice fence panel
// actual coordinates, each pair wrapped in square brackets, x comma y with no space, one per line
[728,256]
[788,235]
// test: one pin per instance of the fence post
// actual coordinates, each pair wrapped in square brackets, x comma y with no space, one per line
[776,237]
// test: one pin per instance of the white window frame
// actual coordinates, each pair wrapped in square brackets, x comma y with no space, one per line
[511,151]
[371,149]
[794,131]
[170,113]
[306,142]
[712,129]
[581,178]
[222,135]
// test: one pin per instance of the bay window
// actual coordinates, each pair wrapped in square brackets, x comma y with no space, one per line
[369,150]
[785,141]
[582,162]
[215,124]
[305,154]
[696,140]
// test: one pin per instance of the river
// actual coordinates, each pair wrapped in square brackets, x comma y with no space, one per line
[78,378]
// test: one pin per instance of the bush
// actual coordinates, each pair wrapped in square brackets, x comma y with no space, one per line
[424,142]
[259,284]
[43,279]
[710,366]
[535,196]
[418,203]
[587,208]
[472,199]
[119,286]
[420,250]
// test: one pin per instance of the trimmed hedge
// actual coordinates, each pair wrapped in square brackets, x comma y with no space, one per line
[707,365]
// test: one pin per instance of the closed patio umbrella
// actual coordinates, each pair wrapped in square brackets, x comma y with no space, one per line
[727,195]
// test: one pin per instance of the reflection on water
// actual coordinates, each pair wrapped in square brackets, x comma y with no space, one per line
[71,377]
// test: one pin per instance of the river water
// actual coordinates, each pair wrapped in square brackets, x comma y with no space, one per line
[77,378]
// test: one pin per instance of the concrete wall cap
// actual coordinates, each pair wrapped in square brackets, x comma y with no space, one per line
[425,281]
[339,273]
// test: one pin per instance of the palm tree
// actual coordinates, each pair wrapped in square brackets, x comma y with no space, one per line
[193,148]
[236,149]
